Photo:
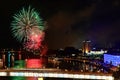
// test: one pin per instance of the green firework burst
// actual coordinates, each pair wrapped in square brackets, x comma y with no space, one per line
[24,21]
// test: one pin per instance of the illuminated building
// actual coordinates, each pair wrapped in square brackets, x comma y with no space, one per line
[1,63]
[113,59]
[97,52]
[86,46]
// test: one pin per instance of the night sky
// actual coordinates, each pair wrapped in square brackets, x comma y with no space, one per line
[69,22]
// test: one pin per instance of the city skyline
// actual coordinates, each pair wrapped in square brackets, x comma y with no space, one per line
[69,22]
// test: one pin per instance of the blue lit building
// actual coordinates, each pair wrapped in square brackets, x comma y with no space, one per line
[112,58]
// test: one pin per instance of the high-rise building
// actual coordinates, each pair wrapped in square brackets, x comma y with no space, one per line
[86,46]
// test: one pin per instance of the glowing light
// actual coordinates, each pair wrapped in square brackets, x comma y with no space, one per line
[34,63]
[115,59]
[40,78]
[19,64]
[3,74]
[76,76]
[60,75]
[98,52]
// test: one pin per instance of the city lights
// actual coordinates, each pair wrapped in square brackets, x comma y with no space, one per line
[60,75]
[3,74]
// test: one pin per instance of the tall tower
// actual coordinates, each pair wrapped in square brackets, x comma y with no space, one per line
[86,46]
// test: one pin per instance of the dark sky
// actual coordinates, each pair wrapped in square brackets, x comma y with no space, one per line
[69,21]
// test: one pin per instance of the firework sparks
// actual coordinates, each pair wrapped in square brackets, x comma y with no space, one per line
[28,28]
[35,40]
[23,22]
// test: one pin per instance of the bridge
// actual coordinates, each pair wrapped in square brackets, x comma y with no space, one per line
[55,73]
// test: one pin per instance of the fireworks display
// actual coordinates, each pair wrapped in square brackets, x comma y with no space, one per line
[27,27]
[34,40]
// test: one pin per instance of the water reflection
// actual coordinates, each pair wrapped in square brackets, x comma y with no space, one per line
[76,65]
